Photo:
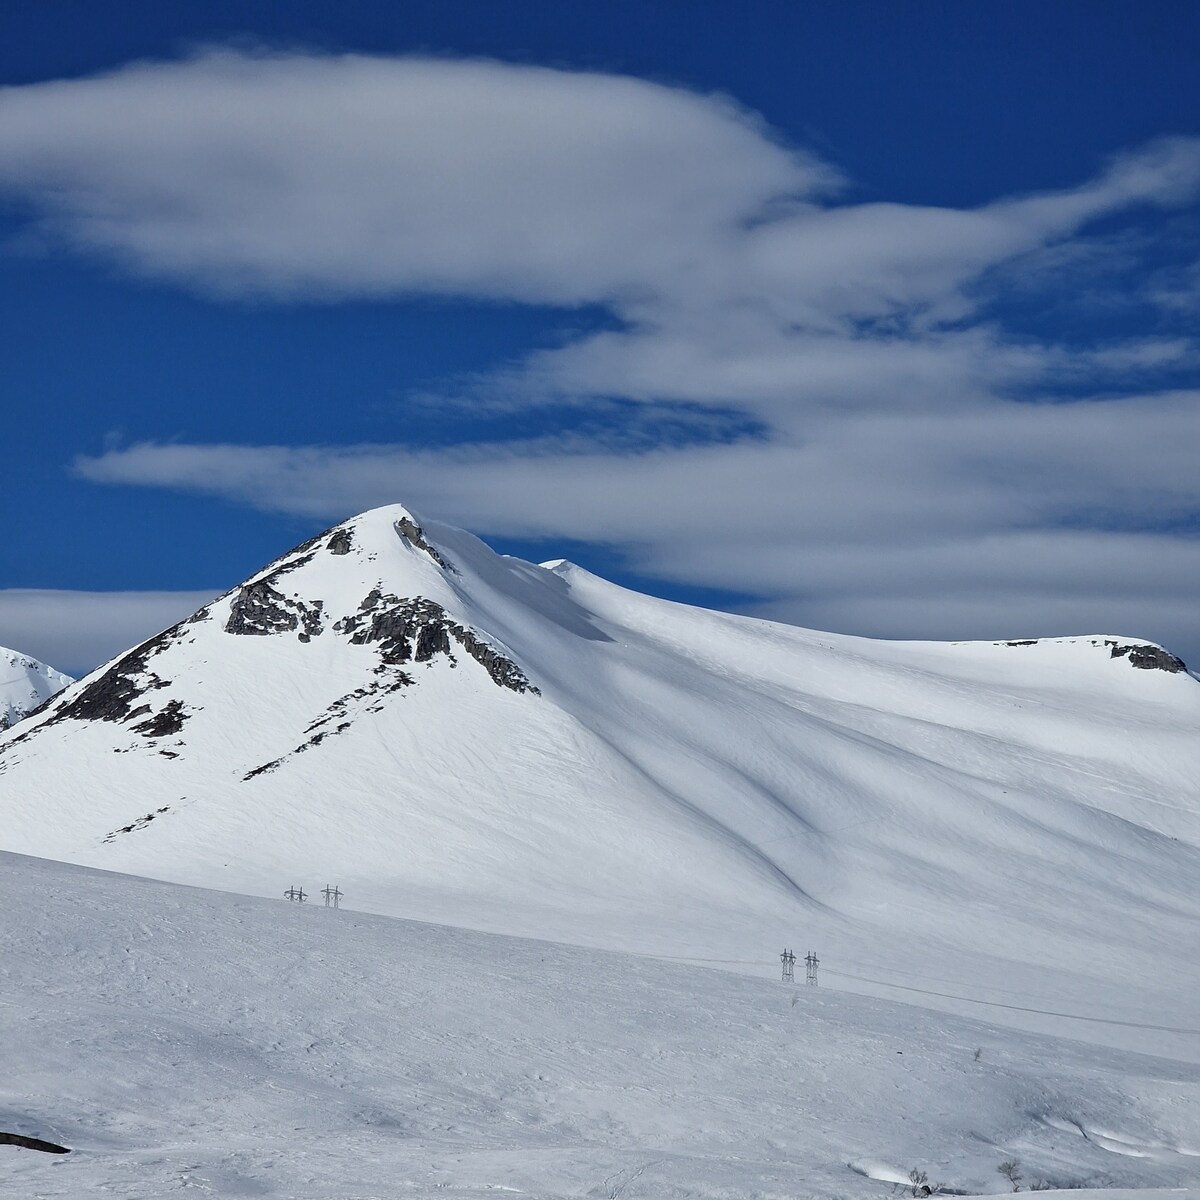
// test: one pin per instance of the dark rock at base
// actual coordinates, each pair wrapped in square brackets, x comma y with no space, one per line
[29,1143]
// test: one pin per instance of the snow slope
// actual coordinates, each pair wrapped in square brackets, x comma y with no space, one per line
[24,684]
[185,1042]
[1009,830]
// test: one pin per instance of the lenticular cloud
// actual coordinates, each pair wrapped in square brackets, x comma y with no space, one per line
[293,173]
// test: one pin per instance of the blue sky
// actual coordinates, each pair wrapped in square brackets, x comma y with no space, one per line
[870,317]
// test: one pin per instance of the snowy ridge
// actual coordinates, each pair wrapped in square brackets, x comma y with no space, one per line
[25,683]
[466,738]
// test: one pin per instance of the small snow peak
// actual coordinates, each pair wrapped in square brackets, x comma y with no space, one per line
[563,567]
[26,686]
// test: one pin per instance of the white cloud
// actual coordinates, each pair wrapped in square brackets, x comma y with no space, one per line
[286,173]
[354,175]
[915,476]
[892,471]
[74,631]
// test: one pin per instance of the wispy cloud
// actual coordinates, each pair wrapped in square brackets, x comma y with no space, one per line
[892,434]
[1125,465]
[985,503]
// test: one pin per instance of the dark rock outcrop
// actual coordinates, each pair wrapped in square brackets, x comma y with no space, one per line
[114,695]
[1148,658]
[121,693]
[167,721]
[404,630]
[258,610]
[30,1143]
[417,630]
[503,671]
[117,695]
[140,823]
[409,529]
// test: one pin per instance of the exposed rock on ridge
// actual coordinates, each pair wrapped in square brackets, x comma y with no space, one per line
[1149,658]
[1139,654]
[409,529]
[258,609]
[416,630]
[114,695]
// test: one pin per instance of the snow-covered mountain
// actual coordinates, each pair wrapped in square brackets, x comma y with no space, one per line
[457,736]
[24,684]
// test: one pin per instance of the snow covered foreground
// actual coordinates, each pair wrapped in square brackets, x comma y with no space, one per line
[1010,831]
[24,684]
[186,1042]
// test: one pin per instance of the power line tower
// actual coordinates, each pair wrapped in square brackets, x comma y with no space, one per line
[332,896]
[789,966]
[811,962]
[296,895]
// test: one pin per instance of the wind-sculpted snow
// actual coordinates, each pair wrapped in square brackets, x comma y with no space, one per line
[468,738]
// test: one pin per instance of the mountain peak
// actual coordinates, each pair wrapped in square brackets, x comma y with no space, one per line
[465,737]
[371,601]
[379,531]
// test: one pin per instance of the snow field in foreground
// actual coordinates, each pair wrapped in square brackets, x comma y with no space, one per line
[185,1041]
